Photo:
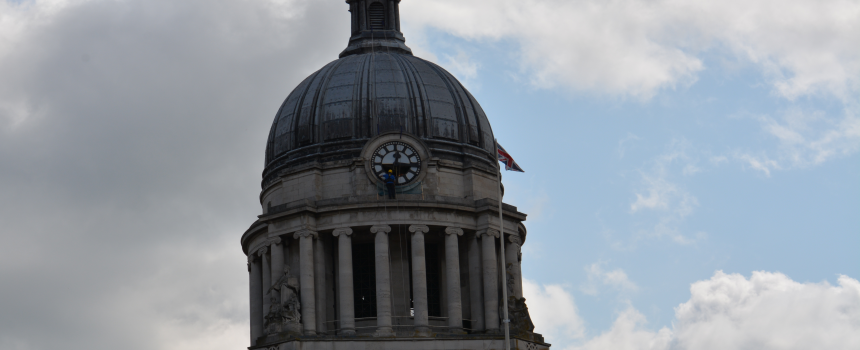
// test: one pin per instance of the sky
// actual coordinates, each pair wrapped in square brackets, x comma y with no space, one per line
[691,166]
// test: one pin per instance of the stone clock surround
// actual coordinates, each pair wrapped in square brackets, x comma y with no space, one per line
[416,143]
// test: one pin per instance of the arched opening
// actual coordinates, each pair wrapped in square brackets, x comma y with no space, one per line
[376,14]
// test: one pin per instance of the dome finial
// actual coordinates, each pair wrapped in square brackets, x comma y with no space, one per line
[375,26]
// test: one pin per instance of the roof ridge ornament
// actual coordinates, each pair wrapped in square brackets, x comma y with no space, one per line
[375,27]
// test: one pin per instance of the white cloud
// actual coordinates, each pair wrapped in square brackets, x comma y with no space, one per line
[657,194]
[628,333]
[139,126]
[616,279]
[461,65]
[767,311]
[553,311]
[761,163]
[669,200]
[804,139]
[622,144]
[637,47]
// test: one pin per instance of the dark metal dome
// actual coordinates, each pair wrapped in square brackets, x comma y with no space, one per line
[377,86]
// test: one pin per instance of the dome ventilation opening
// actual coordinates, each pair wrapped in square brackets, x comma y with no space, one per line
[377,16]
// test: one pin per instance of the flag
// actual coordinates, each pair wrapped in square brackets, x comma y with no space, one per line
[506,158]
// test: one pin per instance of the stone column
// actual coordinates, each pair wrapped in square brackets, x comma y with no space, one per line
[277,254]
[476,284]
[392,17]
[491,280]
[452,263]
[306,280]
[267,281]
[397,15]
[419,281]
[383,282]
[512,252]
[362,14]
[345,293]
[256,294]
[319,284]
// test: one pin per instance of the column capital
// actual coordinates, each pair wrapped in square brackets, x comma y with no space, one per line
[380,228]
[454,231]
[515,239]
[262,251]
[305,233]
[489,232]
[419,228]
[274,241]
[346,231]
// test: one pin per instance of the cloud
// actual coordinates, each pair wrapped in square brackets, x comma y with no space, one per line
[616,279]
[761,163]
[553,311]
[661,194]
[636,47]
[804,139]
[628,333]
[131,138]
[622,144]
[658,192]
[767,311]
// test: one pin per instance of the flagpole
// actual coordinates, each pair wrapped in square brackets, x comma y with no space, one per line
[506,321]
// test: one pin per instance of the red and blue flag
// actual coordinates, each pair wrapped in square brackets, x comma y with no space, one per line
[506,158]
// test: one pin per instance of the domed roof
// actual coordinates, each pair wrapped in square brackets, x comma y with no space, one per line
[377,86]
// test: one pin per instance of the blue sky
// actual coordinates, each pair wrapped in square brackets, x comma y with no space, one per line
[635,194]
[663,142]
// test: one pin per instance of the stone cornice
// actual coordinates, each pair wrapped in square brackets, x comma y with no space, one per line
[318,207]
[258,227]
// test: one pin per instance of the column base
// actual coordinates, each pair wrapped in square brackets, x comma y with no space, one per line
[347,332]
[456,331]
[384,332]
[422,332]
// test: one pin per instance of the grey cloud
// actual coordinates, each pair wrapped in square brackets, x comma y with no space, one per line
[131,145]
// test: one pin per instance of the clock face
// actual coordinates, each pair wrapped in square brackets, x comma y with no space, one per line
[403,161]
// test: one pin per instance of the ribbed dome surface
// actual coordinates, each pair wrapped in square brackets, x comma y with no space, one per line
[333,112]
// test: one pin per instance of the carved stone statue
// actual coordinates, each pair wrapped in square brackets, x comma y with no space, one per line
[285,313]
[518,312]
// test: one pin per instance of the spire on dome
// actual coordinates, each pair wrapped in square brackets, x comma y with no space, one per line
[375,27]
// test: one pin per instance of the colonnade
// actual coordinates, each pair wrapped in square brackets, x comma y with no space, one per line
[266,266]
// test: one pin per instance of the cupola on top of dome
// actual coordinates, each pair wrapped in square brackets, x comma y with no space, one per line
[375,24]
[377,86]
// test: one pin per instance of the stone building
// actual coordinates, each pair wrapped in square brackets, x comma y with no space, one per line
[334,263]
